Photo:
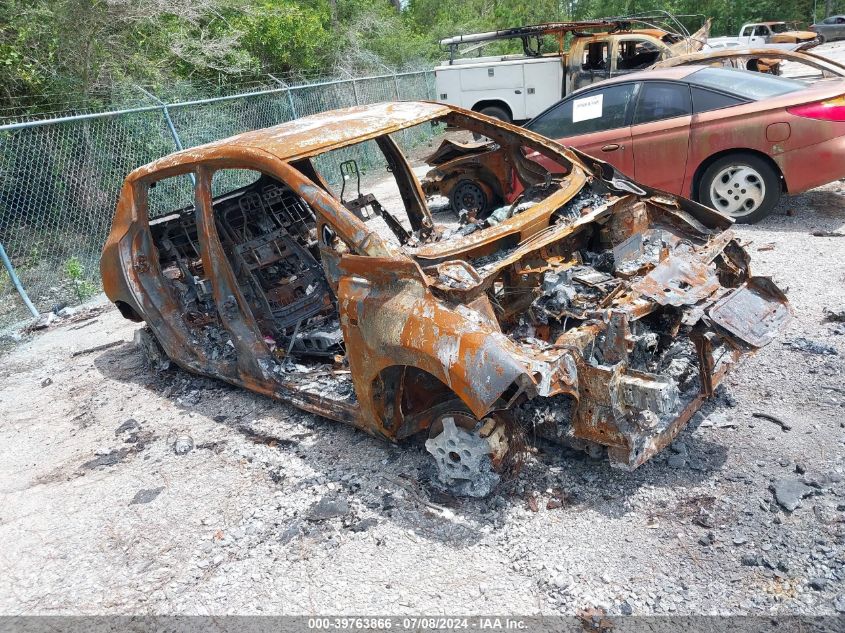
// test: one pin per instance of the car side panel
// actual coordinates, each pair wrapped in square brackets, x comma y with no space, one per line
[726,129]
[813,165]
[600,144]
[660,151]
[747,127]
[389,317]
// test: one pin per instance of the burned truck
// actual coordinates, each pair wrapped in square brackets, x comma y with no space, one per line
[597,312]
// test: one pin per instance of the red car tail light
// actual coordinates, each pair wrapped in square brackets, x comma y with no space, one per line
[827,110]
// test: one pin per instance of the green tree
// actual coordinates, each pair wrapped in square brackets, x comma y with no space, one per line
[285,35]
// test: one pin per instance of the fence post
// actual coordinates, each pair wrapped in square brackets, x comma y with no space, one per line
[354,86]
[176,140]
[392,71]
[396,83]
[355,92]
[17,282]
[290,98]
[166,112]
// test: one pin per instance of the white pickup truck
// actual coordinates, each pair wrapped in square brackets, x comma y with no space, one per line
[759,34]
[519,87]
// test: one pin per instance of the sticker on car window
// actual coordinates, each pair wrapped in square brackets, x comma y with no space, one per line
[587,108]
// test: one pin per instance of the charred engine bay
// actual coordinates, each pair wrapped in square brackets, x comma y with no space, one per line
[639,367]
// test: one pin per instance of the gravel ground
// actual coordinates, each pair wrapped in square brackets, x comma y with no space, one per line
[277,511]
[99,515]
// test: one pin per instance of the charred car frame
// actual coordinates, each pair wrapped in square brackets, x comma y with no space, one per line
[597,312]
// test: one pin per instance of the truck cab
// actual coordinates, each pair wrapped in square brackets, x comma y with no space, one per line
[518,87]
[757,34]
[777,32]
[604,55]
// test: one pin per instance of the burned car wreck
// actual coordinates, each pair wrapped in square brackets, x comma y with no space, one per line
[596,312]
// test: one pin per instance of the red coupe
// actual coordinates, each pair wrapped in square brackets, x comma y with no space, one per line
[731,139]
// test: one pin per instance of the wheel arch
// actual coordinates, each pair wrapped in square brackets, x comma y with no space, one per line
[127,311]
[703,165]
[404,397]
[422,396]
[497,103]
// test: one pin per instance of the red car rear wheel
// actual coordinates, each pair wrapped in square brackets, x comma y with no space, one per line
[742,186]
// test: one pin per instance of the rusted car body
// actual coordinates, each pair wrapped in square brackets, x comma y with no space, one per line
[769,60]
[788,32]
[600,312]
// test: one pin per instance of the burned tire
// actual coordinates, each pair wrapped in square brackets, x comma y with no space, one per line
[494,112]
[151,350]
[740,185]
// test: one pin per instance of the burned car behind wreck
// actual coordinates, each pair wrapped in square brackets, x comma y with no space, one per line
[600,313]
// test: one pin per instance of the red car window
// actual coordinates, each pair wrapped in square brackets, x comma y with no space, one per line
[583,113]
[706,100]
[743,83]
[662,100]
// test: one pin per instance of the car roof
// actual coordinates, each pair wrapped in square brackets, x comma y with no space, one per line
[313,134]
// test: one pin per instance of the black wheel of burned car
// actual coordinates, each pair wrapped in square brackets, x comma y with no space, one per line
[740,185]
[470,197]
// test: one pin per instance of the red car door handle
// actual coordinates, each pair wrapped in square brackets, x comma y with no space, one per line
[612,147]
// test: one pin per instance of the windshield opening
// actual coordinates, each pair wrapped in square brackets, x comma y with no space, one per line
[442,179]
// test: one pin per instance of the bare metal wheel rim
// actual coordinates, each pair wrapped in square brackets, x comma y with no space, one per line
[469,196]
[462,456]
[738,190]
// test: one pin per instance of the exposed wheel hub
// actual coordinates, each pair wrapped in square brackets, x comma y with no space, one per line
[464,452]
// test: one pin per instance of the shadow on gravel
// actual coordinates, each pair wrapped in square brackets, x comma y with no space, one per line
[804,213]
[396,480]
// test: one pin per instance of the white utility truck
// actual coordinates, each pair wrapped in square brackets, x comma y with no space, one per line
[520,86]
[760,34]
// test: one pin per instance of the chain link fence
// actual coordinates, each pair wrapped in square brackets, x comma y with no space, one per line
[60,178]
